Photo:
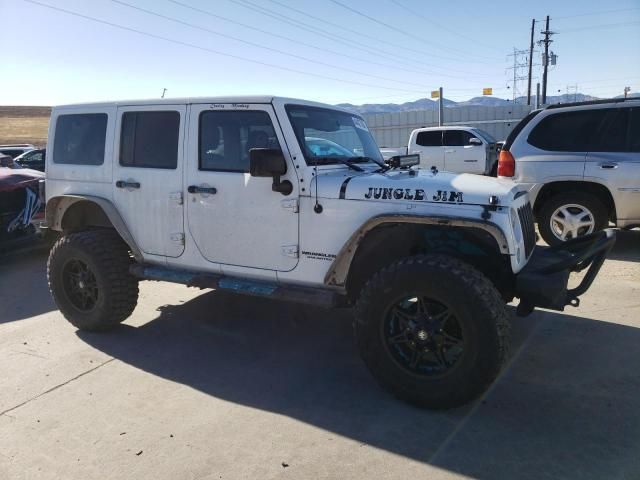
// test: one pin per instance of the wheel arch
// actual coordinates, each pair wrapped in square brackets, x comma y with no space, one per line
[599,190]
[78,212]
[384,239]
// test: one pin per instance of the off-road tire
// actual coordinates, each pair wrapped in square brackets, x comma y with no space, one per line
[587,200]
[476,303]
[107,256]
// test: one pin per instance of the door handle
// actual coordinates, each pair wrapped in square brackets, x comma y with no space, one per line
[197,189]
[123,184]
[449,151]
[608,166]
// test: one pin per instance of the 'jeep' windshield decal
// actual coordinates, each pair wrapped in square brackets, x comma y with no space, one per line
[416,194]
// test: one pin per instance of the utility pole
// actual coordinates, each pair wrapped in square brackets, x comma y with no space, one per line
[545,61]
[440,109]
[537,95]
[164,90]
[626,91]
[533,26]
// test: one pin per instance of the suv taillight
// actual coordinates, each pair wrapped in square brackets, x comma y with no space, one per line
[506,164]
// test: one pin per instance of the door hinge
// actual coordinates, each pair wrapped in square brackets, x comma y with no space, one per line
[178,238]
[177,197]
[291,204]
[290,251]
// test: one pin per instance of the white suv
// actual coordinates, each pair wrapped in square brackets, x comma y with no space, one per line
[581,165]
[290,200]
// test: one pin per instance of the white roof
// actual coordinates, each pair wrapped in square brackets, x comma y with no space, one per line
[251,99]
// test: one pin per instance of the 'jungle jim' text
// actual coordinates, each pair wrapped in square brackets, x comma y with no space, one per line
[417,194]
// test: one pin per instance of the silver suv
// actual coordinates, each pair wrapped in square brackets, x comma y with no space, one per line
[580,163]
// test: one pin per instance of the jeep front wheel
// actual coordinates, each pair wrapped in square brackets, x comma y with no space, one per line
[89,279]
[432,330]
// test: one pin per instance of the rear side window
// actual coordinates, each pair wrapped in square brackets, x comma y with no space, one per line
[567,131]
[227,137]
[150,139]
[80,138]
[634,130]
[612,132]
[429,138]
[518,128]
[457,138]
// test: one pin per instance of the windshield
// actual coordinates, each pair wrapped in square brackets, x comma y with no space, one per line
[485,135]
[331,136]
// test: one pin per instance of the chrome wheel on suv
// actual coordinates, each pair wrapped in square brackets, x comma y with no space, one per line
[568,215]
[571,221]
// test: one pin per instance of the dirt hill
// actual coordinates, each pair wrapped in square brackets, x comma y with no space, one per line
[24,124]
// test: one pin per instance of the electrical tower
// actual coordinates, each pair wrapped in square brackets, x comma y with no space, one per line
[519,70]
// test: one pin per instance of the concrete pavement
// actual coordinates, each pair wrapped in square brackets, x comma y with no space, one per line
[199,384]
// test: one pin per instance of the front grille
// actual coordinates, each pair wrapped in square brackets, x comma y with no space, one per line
[528,228]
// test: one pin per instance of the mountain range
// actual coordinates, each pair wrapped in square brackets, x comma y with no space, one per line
[428,104]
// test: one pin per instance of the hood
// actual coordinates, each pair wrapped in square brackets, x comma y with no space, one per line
[15,179]
[422,186]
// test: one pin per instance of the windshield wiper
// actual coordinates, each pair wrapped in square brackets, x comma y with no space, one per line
[344,160]
[368,159]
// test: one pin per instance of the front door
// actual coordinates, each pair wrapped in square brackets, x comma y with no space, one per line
[236,219]
[460,156]
[614,160]
[148,165]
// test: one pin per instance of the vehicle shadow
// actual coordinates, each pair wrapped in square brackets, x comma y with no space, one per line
[627,247]
[565,407]
[24,291]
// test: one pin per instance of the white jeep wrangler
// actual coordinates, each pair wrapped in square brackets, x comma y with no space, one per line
[289,199]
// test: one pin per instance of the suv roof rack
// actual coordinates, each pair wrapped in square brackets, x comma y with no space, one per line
[16,145]
[591,102]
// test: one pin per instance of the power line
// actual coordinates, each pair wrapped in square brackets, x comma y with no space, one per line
[297,41]
[256,45]
[602,25]
[450,30]
[216,52]
[360,33]
[411,61]
[391,27]
[602,12]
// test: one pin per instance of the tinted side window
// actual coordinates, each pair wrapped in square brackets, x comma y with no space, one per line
[150,139]
[457,138]
[79,139]
[429,139]
[634,130]
[612,132]
[567,131]
[226,138]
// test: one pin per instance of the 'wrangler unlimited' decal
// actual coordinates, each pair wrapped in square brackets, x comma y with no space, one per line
[417,194]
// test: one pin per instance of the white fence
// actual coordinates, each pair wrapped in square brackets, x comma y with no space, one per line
[393,129]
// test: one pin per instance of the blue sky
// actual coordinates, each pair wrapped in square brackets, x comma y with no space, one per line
[333,51]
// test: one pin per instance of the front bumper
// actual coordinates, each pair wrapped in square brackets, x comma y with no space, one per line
[543,281]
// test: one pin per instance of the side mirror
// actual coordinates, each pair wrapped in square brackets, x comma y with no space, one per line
[270,162]
[475,141]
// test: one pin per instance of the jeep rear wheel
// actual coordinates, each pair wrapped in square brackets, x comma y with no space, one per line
[432,330]
[570,215]
[89,279]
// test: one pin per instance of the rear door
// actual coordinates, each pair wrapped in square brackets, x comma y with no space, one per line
[460,156]
[147,171]
[428,144]
[614,160]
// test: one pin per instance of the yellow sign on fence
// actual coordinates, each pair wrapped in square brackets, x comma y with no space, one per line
[487,91]
[435,93]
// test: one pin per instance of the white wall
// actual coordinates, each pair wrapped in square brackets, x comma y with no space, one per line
[393,129]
